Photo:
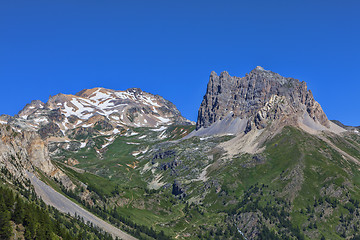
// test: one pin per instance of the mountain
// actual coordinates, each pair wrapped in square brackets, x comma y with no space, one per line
[96,110]
[262,162]
[238,104]
[31,141]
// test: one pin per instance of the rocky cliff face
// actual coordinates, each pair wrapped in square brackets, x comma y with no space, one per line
[256,100]
[97,110]
[25,151]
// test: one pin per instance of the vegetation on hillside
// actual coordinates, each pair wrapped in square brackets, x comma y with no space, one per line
[298,187]
[27,217]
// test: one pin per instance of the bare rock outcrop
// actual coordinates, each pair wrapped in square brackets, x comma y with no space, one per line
[256,100]
[24,151]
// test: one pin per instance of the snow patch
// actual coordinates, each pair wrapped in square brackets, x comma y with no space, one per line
[163,120]
[163,135]
[110,139]
[108,112]
[125,95]
[145,150]
[63,132]
[68,111]
[41,120]
[98,95]
[116,131]
[131,134]
[204,138]
[80,108]
[132,143]
[135,153]
[148,101]
[105,145]
[159,129]
[115,118]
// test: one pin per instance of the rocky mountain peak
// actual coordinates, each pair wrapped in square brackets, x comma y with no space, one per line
[224,74]
[31,108]
[256,100]
[259,68]
[213,73]
[85,93]
[118,109]
[134,90]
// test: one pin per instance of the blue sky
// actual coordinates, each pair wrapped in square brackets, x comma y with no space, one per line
[170,47]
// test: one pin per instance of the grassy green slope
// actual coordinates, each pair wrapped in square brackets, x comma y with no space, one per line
[304,177]
[298,188]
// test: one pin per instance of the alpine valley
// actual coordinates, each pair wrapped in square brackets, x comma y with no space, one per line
[262,162]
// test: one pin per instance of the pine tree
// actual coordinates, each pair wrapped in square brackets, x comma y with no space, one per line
[5,226]
[18,214]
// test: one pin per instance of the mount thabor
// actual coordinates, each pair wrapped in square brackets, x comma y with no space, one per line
[262,162]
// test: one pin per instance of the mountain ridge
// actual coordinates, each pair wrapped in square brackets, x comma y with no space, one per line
[119,110]
[265,161]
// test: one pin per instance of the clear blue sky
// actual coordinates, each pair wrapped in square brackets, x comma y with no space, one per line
[170,47]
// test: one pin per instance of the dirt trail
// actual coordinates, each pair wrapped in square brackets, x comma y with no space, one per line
[63,204]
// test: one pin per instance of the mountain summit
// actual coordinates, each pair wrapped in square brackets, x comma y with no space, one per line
[240,104]
[99,108]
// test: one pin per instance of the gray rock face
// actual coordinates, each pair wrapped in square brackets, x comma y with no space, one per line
[258,97]
[4,118]
[31,108]
[178,190]
[50,130]
[25,150]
